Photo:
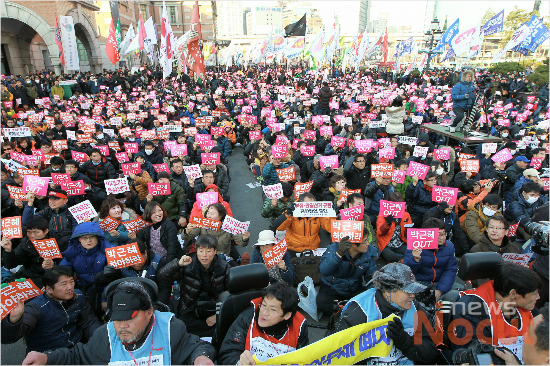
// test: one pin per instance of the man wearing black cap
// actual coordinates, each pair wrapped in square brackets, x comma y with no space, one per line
[514,172]
[136,334]
[58,215]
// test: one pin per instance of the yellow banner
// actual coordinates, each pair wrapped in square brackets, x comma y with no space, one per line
[344,348]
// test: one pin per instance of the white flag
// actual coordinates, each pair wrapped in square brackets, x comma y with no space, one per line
[166,44]
[151,40]
[520,35]
[461,43]
[124,45]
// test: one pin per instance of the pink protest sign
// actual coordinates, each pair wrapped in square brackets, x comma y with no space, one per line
[255,135]
[317,120]
[57,178]
[363,146]
[447,194]
[353,213]
[159,189]
[488,148]
[536,162]
[422,238]
[178,150]
[398,176]
[38,185]
[337,141]
[122,157]
[326,130]
[131,147]
[131,168]
[207,198]
[279,151]
[333,105]
[417,169]
[161,168]
[512,230]
[502,156]
[307,150]
[442,154]
[395,209]
[79,156]
[74,188]
[330,161]
[309,134]
[387,153]
[281,140]
[210,158]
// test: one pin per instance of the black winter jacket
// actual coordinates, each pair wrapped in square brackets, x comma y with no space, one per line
[98,173]
[324,97]
[168,239]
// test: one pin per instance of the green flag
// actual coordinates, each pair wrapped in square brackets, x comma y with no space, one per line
[118,35]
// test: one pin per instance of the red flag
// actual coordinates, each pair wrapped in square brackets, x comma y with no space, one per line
[111,48]
[195,59]
[141,34]
[58,41]
[385,46]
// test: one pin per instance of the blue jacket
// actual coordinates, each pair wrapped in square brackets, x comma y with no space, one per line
[223,143]
[457,94]
[513,192]
[345,275]
[86,263]
[520,211]
[419,200]
[435,266]
[374,207]
[287,276]
[270,173]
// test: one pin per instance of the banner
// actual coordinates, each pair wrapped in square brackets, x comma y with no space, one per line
[68,39]
[520,35]
[461,44]
[343,348]
[58,41]
[494,25]
[294,49]
[538,35]
[448,36]
[314,209]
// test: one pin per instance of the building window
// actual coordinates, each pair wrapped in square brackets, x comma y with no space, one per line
[143,11]
[172,13]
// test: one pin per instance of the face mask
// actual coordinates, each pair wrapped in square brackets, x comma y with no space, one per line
[358,137]
[439,171]
[122,201]
[148,152]
[530,200]
[513,152]
[88,189]
[505,134]
[100,136]
[93,162]
[20,123]
[488,211]
[55,170]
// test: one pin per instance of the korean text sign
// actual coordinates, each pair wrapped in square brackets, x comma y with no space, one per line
[83,211]
[422,238]
[15,292]
[447,194]
[342,228]
[275,254]
[124,256]
[47,248]
[395,209]
[11,227]
[234,226]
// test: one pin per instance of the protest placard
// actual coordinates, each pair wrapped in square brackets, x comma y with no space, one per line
[234,226]
[387,153]
[330,161]
[135,225]
[13,292]
[420,151]
[131,147]
[83,211]
[307,150]
[60,145]
[489,148]
[131,168]
[109,224]
[207,198]
[159,189]
[447,194]
[192,171]
[512,230]
[342,228]
[210,158]
[161,168]
[274,191]
[47,248]
[205,223]
[123,256]
[115,186]
[58,178]
[390,208]
[300,188]
[338,141]
[442,154]
[326,131]
[254,135]
[536,162]
[344,193]
[381,170]
[74,188]
[286,174]
[275,254]
[79,156]
[470,165]
[502,156]
[407,140]
[38,185]
[519,259]
[353,213]
[314,209]
[279,151]
[422,238]
[417,169]
[16,193]
[11,227]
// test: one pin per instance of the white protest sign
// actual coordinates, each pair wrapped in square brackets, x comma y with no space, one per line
[83,211]
[192,171]
[314,209]
[234,226]
[521,259]
[274,191]
[114,186]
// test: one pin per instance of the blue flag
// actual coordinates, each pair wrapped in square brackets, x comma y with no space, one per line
[539,34]
[494,25]
[447,37]
[450,54]
[404,47]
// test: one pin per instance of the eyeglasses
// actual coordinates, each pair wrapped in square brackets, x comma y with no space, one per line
[87,238]
[495,228]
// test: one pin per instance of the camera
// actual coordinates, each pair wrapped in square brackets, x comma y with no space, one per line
[477,354]
[539,232]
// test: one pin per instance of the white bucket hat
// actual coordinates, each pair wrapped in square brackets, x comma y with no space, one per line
[266,237]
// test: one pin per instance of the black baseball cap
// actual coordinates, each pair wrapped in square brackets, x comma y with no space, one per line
[125,306]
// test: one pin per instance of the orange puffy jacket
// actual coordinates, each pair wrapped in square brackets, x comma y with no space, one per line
[303,232]
[384,232]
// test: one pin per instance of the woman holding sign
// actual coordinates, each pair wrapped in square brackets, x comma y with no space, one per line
[110,218]
[283,270]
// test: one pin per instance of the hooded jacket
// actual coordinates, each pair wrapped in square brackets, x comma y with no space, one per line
[459,90]
[520,211]
[324,97]
[86,263]
[475,222]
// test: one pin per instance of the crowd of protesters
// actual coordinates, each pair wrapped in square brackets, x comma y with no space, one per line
[79,124]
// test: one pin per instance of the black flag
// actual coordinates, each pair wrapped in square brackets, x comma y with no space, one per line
[297,29]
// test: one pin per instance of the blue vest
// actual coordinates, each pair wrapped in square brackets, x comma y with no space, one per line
[158,340]
[149,272]
[57,327]
[367,303]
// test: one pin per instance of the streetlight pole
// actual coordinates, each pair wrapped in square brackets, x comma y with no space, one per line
[434,34]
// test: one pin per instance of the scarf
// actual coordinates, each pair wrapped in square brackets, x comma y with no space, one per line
[428,188]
